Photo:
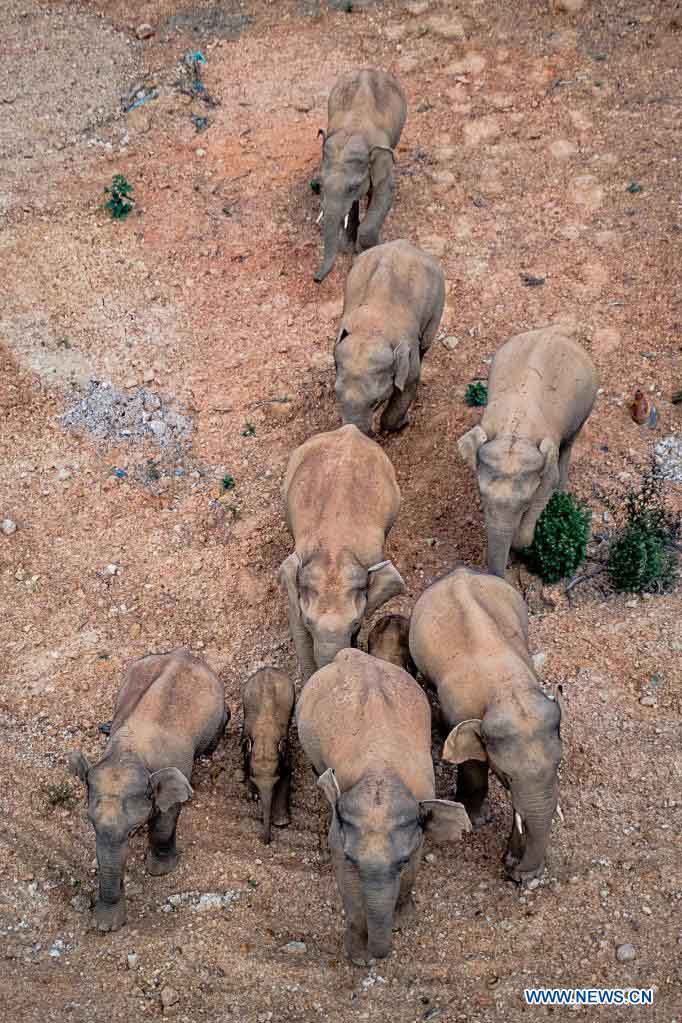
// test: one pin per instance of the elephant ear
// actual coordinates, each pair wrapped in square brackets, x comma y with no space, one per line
[465,743]
[169,786]
[383,582]
[78,765]
[401,365]
[381,160]
[329,785]
[444,820]
[288,577]
[469,444]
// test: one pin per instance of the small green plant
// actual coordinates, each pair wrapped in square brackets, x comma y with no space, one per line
[560,541]
[60,794]
[348,7]
[119,202]
[315,186]
[642,558]
[634,188]
[476,394]
[228,482]
[152,470]
[249,430]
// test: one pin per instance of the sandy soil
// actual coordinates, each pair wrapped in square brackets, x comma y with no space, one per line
[525,129]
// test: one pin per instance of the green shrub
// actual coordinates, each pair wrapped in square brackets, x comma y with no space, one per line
[476,394]
[560,540]
[642,558]
[119,202]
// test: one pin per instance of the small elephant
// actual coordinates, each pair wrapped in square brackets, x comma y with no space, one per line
[393,305]
[365,725]
[268,698]
[341,499]
[469,637]
[170,710]
[366,114]
[389,641]
[541,389]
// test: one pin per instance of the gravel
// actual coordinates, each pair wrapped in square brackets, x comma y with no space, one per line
[625,953]
[115,416]
[202,903]
[668,455]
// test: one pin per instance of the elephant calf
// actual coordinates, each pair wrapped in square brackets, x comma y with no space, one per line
[341,499]
[170,710]
[389,641]
[366,114]
[268,698]
[393,305]
[541,389]
[469,637]
[366,727]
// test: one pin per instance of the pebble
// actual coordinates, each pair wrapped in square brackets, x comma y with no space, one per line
[64,474]
[566,6]
[646,910]
[201,152]
[430,858]
[158,427]
[8,527]
[81,903]
[447,27]
[648,701]
[169,996]
[295,947]
[144,31]
[533,884]
[111,569]
[539,660]
[148,376]
[57,949]
[132,959]
[451,342]
[625,953]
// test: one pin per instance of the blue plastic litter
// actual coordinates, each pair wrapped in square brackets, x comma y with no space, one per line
[143,99]
[120,474]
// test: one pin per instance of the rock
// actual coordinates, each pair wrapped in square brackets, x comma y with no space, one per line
[132,959]
[144,31]
[434,245]
[586,191]
[57,949]
[451,341]
[295,947]
[151,402]
[8,526]
[148,375]
[64,474]
[430,858]
[566,6]
[447,27]
[130,382]
[135,630]
[302,104]
[417,7]
[111,569]
[533,884]
[443,179]
[470,64]
[482,129]
[396,33]
[201,152]
[648,700]
[158,427]
[625,953]
[563,149]
[81,902]
[169,996]
[539,661]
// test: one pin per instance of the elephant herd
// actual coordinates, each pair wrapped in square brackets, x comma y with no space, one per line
[363,720]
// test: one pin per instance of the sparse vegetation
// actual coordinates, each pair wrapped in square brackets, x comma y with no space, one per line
[228,482]
[119,202]
[315,186]
[560,541]
[60,794]
[249,430]
[642,558]
[476,394]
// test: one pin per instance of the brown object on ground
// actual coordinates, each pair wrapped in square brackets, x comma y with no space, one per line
[639,408]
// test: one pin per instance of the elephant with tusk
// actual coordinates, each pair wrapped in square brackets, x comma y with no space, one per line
[366,114]
[365,725]
[541,389]
[170,710]
[469,637]
[393,305]
[341,499]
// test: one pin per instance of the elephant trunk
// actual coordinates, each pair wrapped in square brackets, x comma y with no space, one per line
[326,648]
[500,539]
[265,791]
[111,862]
[358,414]
[381,895]
[332,226]
[536,810]
[303,644]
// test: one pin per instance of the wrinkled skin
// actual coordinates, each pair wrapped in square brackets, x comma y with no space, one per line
[355,718]
[341,499]
[389,641]
[366,114]
[170,710]
[541,389]
[392,310]
[268,698]
[469,638]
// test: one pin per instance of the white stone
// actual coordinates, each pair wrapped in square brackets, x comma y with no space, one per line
[8,526]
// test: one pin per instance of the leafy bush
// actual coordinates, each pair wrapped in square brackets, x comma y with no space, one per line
[119,202]
[560,540]
[476,394]
[642,558]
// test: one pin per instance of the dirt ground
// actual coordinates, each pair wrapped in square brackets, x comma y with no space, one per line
[528,129]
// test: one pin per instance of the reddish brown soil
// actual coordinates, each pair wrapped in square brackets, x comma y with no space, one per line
[209,287]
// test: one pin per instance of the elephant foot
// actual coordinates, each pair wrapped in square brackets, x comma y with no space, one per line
[110,916]
[405,912]
[394,426]
[479,817]
[158,865]
[281,820]
[521,876]
[356,950]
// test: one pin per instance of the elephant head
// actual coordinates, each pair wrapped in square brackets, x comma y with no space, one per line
[366,375]
[350,168]
[516,479]
[376,835]
[264,764]
[122,797]
[521,743]
[328,598]
[389,640]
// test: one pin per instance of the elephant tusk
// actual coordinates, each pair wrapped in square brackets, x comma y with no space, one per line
[320,217]
[518,822]
[345,223]
[560,813]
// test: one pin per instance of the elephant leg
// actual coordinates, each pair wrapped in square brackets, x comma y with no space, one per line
[348,880]
[394,417]
[564,461]
[162,856]
[379,205]
[280,802]
[405,909]
[472,789]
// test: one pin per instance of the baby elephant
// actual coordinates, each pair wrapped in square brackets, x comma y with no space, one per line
[170,710]
[366,727]
[389,641]
[541,389]
[469,637]
[393,305]
[341,500]
[268,698]
[366,114]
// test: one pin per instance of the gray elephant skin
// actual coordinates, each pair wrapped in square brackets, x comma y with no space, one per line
[469,638]
[365,725]
[268,700]
[366,114]
[170,709]
[541,389]
[389,640]
[393,305]
[341,500]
